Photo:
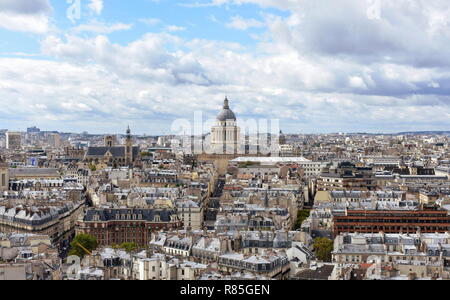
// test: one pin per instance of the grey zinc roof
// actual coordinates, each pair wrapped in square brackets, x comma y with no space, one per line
[146,214]
[38,172]
[118,151]
[321,273]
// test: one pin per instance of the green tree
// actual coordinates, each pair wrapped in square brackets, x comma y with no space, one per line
[302,215]
[128,247]
[85,240]
[323,248]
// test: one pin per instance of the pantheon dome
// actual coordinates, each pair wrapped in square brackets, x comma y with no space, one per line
[226,114]
[225,134]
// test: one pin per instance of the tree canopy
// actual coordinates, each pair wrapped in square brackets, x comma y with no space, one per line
[302,215]
[128,247]
[85,240]
[323,248]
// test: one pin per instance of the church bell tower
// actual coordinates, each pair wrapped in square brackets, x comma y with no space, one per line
[129,147]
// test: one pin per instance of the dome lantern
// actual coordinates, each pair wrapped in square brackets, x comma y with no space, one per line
[226,114]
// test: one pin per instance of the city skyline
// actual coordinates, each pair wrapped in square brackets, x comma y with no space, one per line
[152,62]
[223,146]
[424,132]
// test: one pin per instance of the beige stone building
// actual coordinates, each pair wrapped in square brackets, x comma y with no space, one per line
[13,140]
[225,135]
[4,176]
[191,213]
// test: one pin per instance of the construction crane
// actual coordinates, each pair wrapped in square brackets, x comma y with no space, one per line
[84,249]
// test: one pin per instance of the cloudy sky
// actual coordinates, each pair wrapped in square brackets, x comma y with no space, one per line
[318,66]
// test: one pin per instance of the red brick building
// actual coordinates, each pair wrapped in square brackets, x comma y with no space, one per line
[392,221]
[132,225]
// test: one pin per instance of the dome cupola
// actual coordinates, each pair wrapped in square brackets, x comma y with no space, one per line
[226,114]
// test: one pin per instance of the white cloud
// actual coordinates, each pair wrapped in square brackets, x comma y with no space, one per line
[25,23]
[319,61]
[206,4]
[237,22]
[213,19]
[25,7]
[150,21]
[434,85]
[172,28]
[102,28]
[25,16]
[285,84]
[357,82]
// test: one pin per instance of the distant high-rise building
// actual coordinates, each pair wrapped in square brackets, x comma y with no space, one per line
[33,129]
[13,140]
[163,141]
[54,140]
